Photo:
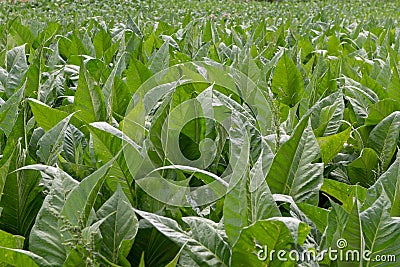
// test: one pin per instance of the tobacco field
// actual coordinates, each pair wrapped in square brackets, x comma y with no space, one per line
[199,133]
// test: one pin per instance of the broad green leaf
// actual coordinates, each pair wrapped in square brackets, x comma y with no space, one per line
[334,46]
[287,81]
[4,169]
[297,213]
[331,145]
[89,99]
[381,231]
[74,259]
[293,171]
[134,27]
[160,60]
[390,182]
[360,97]
[16,68]
[343,192]
[18,257]
[248,201]
[50,144]
[214,239]
[325,114]
[9,111]
[83,197]
[108,90]
[33,75]
[72,48]
[74,143]
[21,34]
[236,211]
[101,42]
[262,204]
[363,169]
[317,215]
[137,74]
[208,250]
[121,98]
[11,241]
[22,195]
[45,238]
[353,234]
[381,110]
[258,240]
[120,227]
[329,118]
[337,219]
[384,137]
[41,113]
[107,143]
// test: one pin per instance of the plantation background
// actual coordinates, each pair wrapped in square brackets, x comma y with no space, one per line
[198,133]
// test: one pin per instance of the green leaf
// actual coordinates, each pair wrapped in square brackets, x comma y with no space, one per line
[331,145]
[334,46]
[22,197]
[209,234]
[72,48]
[11,241]
[381,231]
[380,110]
[4,169]
[330,118]
[287,81]
[390,182]
[89,99]
[109,89]
[18,257]
[120,227]
[206,246]
[337,219]
[160,60]
[137,74]
[107,143]
[262,204]
[292,171]
[21,34]
[101,42]
[41,113]
[174,262]
[83,197]
[33,75]
[9,111]
[363,169]
[384,137]
[259,239]
[50,144]
[74,259]
[353,234]
[248,201]
[16,68]
[317,215]
[142,264]
[296,212]
[74,143]
[45,238]
[343,192]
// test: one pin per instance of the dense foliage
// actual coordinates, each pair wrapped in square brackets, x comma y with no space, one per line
[199,133]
